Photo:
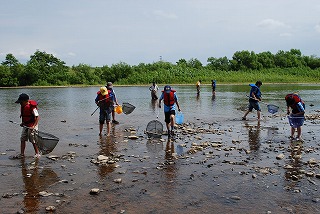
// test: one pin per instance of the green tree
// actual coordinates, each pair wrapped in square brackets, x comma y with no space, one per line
[15,70]
[221,63]
[42,68]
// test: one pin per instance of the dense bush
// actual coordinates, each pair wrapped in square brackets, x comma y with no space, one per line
[245,66]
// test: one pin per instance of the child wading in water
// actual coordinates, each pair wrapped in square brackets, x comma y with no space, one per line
[30,119]
[298,109]
[169,98]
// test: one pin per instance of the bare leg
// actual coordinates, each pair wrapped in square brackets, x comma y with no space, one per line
[108,128]
[35,147]
[245,115]
[22,147]
[292,132]
[299,132]
[258,114]
[100,128]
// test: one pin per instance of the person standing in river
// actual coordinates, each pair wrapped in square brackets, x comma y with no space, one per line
[198,86]
[103,100]
[169,98]
[154,90]
[114,101]
[294,102]
[30,119]
[213,86]
[254,99]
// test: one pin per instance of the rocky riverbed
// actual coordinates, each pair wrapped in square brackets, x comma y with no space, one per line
[220,166]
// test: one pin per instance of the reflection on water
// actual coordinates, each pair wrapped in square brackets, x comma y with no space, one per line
[35,182]
[254,136]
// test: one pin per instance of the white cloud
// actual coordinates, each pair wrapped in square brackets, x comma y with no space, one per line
[317,28]
[286,35]
[71,54]
[271,24]
[162,14]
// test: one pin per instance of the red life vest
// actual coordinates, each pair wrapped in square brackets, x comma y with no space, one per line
[294,97]
[106,98]
[168,98]
[27,115]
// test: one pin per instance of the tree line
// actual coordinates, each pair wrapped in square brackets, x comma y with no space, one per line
[43,69]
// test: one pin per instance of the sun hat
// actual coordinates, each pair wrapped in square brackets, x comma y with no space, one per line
[167,88]
[103,91]
[22,97]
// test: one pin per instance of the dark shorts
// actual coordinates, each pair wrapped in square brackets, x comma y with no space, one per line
[105,116]
[254,105]
[167,115]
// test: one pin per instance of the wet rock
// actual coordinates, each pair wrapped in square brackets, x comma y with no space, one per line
[117,180]
[294,177]
[288,167]
[312,161]
[309,174]
[94,191]
[45,193]
[102,158]
[280,156]
[318,176]
[235,198]
[53,157]
[50,208]
[133,137]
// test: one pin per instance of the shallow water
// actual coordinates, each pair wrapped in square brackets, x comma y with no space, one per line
[212,180]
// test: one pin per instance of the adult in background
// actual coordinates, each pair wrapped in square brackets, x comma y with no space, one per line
[254,98]
[169,98]
[154,90]
[114,101]
[30,119]
[213,86]
[198,86]
[298,109]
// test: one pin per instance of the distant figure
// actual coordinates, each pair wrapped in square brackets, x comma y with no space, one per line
[169,98]
[103,100]
[254,98]
[114,101]
[30,119]
[154,90]
[213,86]
[298,109]
[198,86]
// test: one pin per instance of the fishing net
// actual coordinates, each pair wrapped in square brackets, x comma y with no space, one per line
[272,108]
[46,142]
[127,108]
[154,129]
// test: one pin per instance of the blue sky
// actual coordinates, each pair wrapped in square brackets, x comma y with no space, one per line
[105,32]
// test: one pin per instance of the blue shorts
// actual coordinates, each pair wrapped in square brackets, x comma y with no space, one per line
[254,105]
[105,116]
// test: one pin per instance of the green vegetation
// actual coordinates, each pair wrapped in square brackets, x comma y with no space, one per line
[44,69]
